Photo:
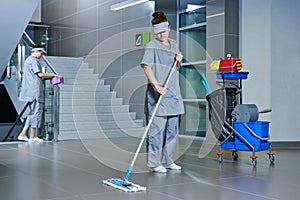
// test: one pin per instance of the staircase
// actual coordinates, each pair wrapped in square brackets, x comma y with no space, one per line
[88,107]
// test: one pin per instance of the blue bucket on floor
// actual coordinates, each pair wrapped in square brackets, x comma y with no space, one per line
[260,128]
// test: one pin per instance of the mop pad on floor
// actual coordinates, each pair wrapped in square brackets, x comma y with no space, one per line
[118,183]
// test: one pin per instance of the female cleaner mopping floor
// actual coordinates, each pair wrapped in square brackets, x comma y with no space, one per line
[164,103]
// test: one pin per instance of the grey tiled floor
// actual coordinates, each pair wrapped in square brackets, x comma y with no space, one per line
[74,170]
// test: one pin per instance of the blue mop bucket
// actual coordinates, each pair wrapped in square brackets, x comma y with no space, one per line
[260,128]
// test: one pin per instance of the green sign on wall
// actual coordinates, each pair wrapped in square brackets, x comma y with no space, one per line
[142,39]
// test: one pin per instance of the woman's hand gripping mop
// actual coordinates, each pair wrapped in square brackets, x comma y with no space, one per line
[124,184]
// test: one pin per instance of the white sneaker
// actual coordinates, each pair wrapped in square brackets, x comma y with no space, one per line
[36,139]
[23,138]
[159,169]
[173,166]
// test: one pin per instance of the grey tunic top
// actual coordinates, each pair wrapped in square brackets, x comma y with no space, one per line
[32,85]
[161,60]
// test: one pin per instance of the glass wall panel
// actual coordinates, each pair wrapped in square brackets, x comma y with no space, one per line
[191,86]
[192,43]
[191,18]
[193,122]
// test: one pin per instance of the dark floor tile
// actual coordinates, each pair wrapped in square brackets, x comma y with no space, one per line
[27,187]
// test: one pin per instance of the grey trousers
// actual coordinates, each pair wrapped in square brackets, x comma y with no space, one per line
[161,141]
[34,116]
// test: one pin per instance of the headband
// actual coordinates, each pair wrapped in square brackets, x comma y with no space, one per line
[39,49]
[161,27]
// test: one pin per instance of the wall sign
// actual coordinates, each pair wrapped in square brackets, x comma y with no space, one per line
[142,39]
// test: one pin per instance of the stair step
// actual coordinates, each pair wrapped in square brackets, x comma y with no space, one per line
[73,82]
[87,76]
[100,102]
[69,94]
[84,78]
[91,83]
[75,72]
[103,125]
[69,60]
[102,88]
[100,116]
[68,109]
[92,134]
[73,68]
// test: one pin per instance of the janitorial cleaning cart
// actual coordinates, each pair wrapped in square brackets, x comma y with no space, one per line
[236,124]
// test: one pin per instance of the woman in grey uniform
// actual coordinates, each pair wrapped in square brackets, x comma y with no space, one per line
[157,61]
[32,92]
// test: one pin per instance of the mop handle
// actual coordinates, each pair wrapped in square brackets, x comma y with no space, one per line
[149,124]
[153,114]
[205,83]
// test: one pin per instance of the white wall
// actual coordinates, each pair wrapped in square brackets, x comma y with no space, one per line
[285,56]
[269,49]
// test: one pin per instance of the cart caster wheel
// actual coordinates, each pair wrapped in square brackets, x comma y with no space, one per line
[254,162]
[235,155]
[272,159]
[220,158]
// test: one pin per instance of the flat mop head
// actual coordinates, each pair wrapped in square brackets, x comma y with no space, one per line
[118,183]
